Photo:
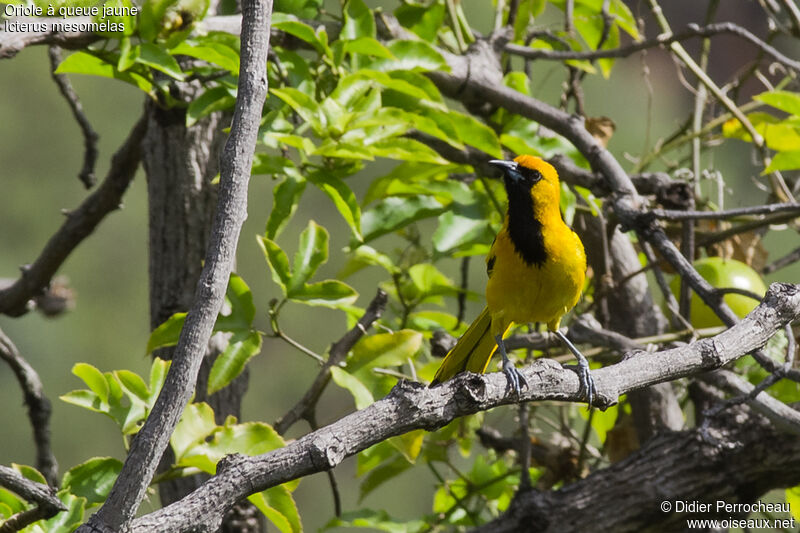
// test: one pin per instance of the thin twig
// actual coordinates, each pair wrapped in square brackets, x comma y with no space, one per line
[671,214]
[664,39]
[462,295]
[90,137]
[784,261]
[39,408]
[719,236]
[337,355]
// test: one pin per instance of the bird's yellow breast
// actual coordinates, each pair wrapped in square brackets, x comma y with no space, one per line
[521,292]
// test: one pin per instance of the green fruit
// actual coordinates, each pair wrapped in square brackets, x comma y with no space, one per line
[722,274]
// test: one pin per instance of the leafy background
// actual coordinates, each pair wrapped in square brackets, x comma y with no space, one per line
[40,151]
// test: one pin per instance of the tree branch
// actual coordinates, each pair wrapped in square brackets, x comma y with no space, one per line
[746,457]
[90,136]
[39,408]
[337,355]
[78,225]
[47,504]
[664,39]
[235,165]
[413,406]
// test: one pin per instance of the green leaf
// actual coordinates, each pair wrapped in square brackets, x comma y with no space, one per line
[312,252]
[784,161]
[286,196]
[462,226]
[330,293]
[477,134]
[376,521]
[93,378]
[425,21]
[411,55]
[279,507]
[358,21]
[431,321]
[166,334]
[517,145]
[427,284]
[793,499]
[366,255]
[242,312]
[196,424]
[384,349]
[86,399]
[270,164]
[249,438]
[368,46]
[158,58]
[277,261]
[302,31]
[230,363]
[86,63]
[301,8]
[30,473]
[603,421]
[381,474]
[133,383]
[783,100]
[303,105]
[92,479]
[412,178]
[361,395]
[127,54]
[406,149]
[343,198]
[391,214]
[13,503]
[150,17]
[409,444]
[214,99]
[343,150]
[418,80]
[212,52]
[624,18]
[158,375]
[69,520]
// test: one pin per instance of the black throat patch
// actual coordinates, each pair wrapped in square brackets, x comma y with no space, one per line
[524,227]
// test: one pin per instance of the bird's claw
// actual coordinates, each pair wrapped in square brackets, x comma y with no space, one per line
[514,377]
[587,386]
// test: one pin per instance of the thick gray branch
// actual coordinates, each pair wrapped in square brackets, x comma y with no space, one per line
[737,459]
[235,165]
[413,406]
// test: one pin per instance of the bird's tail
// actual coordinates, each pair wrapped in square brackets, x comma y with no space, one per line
[472,352]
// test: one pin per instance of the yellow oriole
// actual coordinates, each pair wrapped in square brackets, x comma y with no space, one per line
[536,268]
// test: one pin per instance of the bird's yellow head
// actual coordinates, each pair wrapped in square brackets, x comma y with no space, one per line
[531,175]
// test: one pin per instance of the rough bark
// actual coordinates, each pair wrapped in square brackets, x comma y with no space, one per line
[739,457]
[180,164]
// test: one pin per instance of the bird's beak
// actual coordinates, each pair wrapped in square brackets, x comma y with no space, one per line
[505,165]
[510,168]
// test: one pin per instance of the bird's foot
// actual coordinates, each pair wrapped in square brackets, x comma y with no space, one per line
[514,377]
[586,380]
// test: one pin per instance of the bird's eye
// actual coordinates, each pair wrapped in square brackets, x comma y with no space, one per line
[531,175]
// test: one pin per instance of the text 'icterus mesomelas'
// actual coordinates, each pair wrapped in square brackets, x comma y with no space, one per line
[536,268]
